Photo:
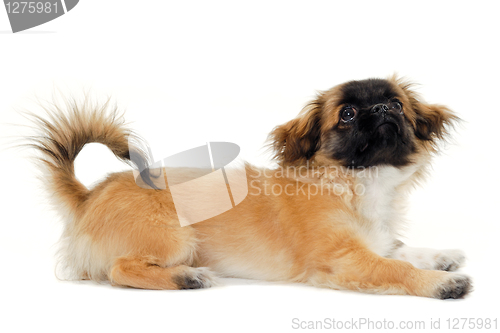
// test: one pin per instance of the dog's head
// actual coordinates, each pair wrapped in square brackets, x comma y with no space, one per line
[363,124]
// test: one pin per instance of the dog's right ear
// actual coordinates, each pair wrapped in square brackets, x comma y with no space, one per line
[298,140]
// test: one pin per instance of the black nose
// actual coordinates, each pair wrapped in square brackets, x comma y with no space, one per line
[380,108]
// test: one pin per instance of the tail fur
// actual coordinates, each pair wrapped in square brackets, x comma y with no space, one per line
[64,133]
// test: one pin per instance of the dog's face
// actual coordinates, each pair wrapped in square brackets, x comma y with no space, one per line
[362,124]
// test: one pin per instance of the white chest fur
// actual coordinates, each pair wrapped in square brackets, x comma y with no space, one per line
[380,204]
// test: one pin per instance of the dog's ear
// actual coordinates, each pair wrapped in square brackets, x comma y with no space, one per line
[432,121]
[298,140]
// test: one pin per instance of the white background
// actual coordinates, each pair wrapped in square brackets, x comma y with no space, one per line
[231,71]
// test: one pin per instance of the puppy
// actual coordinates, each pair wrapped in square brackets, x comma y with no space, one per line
[329,215]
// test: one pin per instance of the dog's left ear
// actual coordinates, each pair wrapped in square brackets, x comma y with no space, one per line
[432,121]
[299,139]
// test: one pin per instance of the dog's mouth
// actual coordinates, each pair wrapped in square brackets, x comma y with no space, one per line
[388,126]
[385,130]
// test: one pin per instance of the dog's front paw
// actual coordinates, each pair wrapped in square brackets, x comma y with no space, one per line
[455,286]
[448,260]
[423,258]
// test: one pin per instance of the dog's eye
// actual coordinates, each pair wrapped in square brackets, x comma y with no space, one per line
[348,114]
[396,107]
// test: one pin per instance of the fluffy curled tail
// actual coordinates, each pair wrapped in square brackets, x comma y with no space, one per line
[63,134]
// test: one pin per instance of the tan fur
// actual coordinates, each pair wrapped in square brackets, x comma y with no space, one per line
[131,236]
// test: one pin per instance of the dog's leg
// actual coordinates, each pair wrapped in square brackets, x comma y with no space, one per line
[146,273]
[355,267]
[444,260]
